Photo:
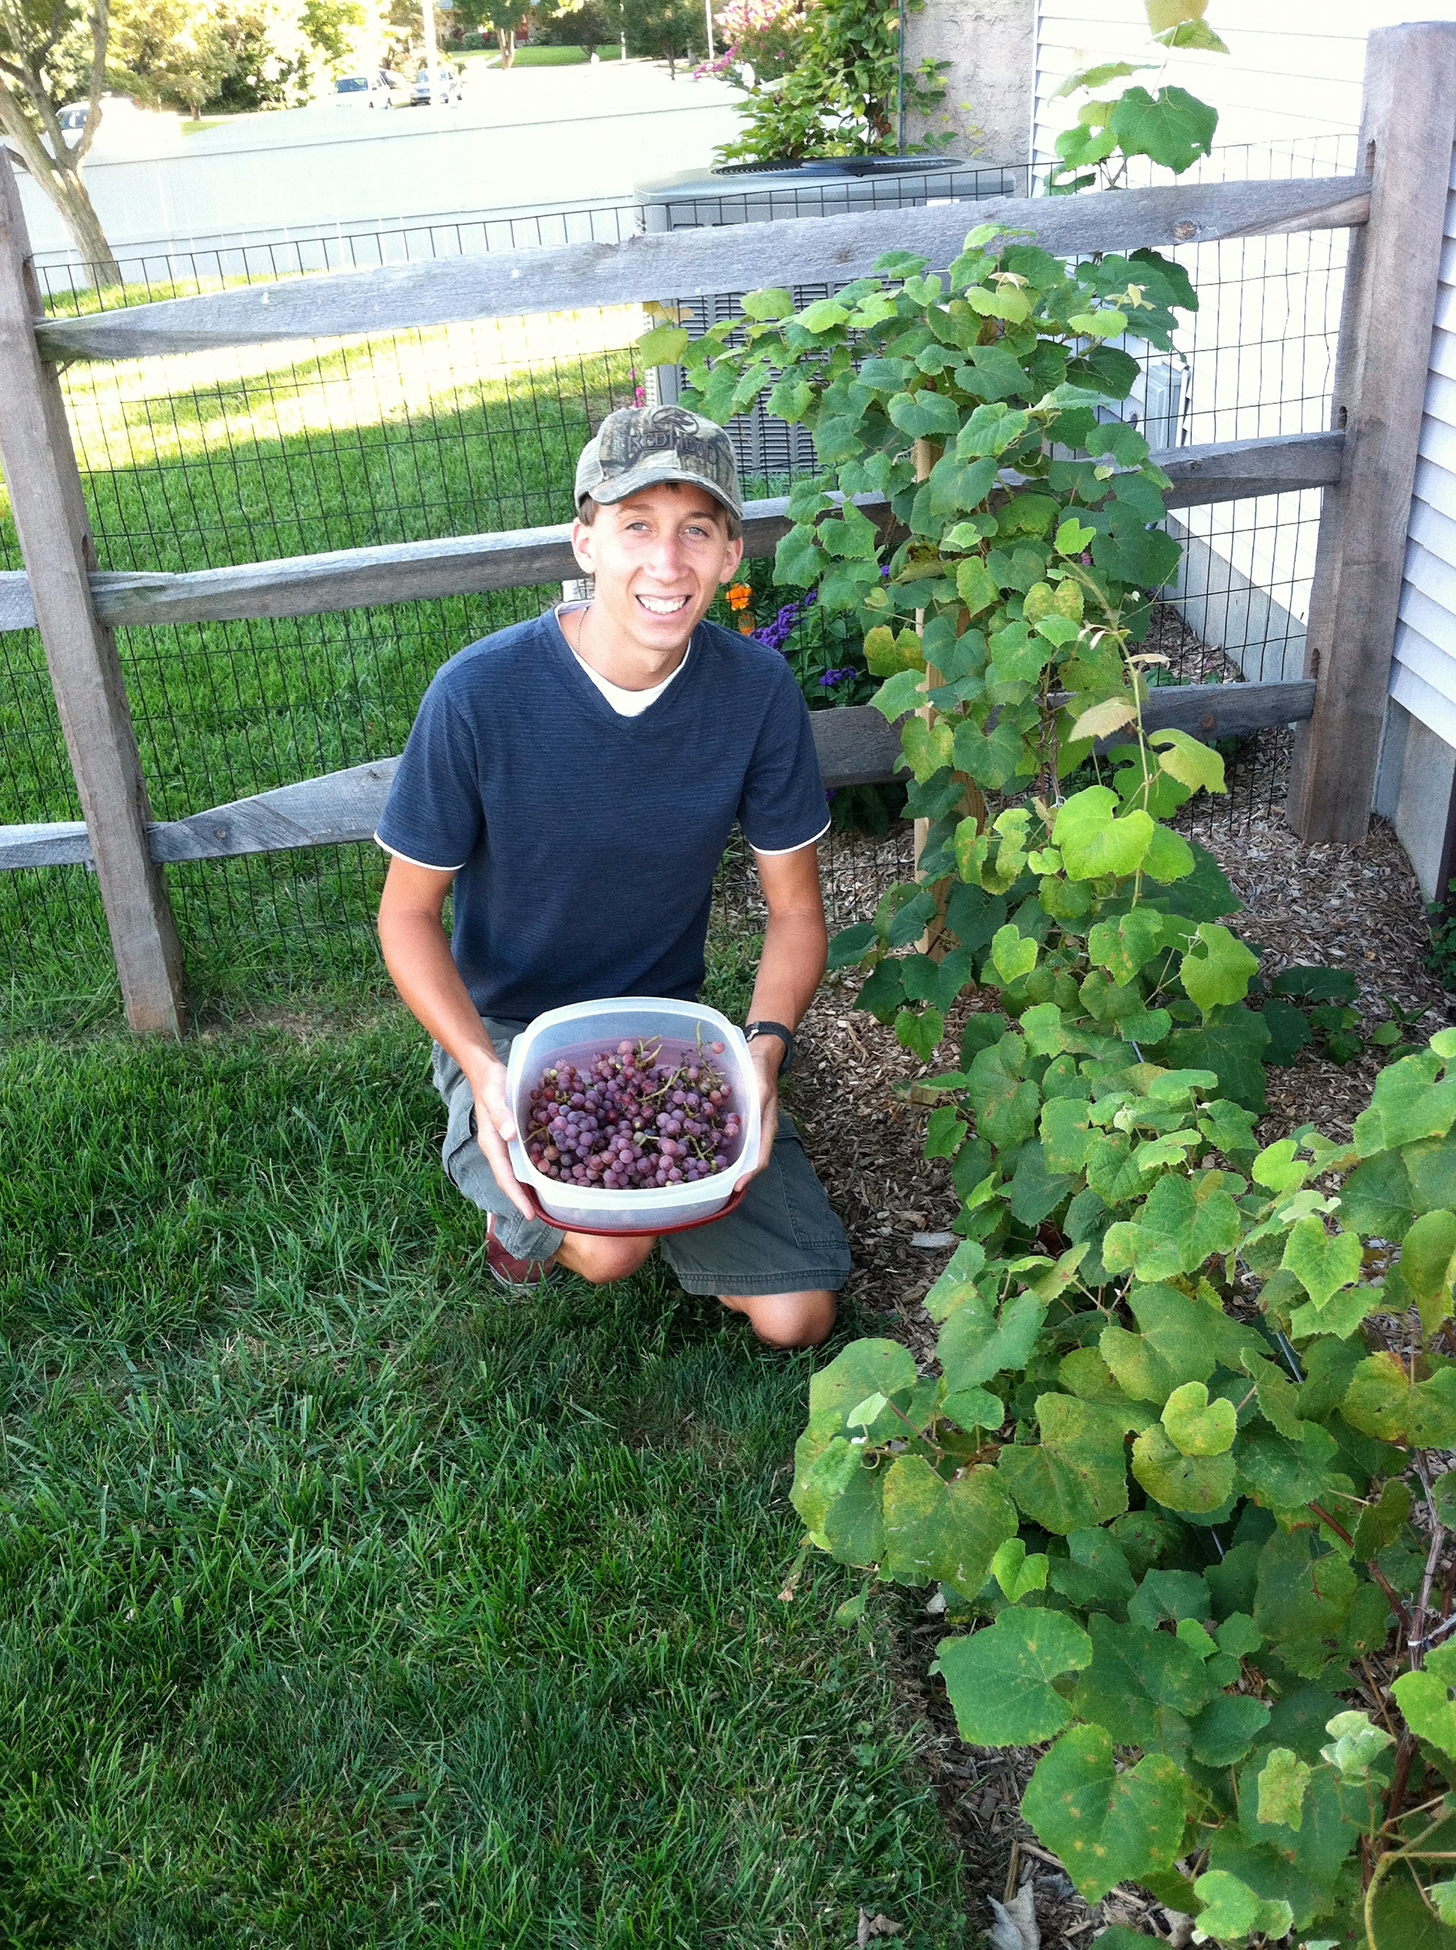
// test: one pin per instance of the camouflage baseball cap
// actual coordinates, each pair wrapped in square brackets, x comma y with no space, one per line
[643,446]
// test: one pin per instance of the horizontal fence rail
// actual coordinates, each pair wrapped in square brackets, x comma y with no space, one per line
[855,746]
[695,263]
[463,565]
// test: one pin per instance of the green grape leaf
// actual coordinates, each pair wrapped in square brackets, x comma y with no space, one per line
[998,1680]
[1076,1476]
[945,1132]
[1012,953]
[1016,1573]
[921,1033]
[1194,1483]
[1142,1686]
[1443,1896]
[1233,1047]
[1126,944]
[1425,1699]
[898,694]
[838,1499]
[1227,1728]
[1356,1745]
[1094,842]
[851,945]
[934,1529]
[1177,1595]
[1198,1426]
[1175,1344]
[1301,1600]
[1383,1402]
[886,654]
[1422,1277]
[1231,1911]
[1065,1133]
[1406,1105]
[1174,128]
[664,346]
[976,586]
[1094,1573]
[1182,1223]
[1217,968]
[1322,1264]
[1185,760]
[1283,1782]
[927,747]
[974,1346]
[1105,1827]
[862,1369]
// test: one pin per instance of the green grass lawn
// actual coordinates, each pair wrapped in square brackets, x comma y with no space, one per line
[548,57]
[349,1602]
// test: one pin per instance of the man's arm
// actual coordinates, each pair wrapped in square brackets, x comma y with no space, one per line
[418,958]
[795,949]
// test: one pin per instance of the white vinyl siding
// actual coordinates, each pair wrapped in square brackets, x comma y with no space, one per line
[1423,676]
[1293,70]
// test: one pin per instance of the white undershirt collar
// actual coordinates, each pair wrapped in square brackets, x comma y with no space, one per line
[626,704]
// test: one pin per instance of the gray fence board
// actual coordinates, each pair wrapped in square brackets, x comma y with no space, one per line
[354,578]
[855,746]
[690,263]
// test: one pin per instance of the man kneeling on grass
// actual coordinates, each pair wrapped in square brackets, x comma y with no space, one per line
[575,780]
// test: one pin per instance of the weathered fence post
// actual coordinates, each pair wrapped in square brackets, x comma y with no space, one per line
[39,463]
[1380,383]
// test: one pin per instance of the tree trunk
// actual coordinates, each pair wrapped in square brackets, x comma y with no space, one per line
[71,197]
[63,184]
[507,38]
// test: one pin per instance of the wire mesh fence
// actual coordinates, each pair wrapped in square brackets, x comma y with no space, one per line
[252,454]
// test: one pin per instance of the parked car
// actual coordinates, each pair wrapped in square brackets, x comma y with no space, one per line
[361,91]
[383,89]
[451,88]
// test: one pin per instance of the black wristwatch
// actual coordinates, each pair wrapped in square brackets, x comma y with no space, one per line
[786,1036]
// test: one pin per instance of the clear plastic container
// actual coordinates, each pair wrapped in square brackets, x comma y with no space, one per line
[603,1025]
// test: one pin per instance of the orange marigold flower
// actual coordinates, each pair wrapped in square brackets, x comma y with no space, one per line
[745,623]
[740,596]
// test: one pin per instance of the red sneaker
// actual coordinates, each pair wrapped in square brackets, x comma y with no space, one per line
[516,1275]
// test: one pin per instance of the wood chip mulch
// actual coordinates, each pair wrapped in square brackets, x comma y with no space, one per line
[1355,907]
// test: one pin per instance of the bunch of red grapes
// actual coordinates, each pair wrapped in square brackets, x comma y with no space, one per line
[634,1118]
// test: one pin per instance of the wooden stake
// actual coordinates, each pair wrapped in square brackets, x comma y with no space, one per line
[1380,385]
[55,540]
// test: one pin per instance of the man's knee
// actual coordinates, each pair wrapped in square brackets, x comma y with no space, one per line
[788,1320]
[602,1260]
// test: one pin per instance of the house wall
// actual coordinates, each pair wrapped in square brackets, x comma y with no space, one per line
[990,45]
[1419,753]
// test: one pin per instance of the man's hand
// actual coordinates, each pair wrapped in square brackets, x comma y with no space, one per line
[495,1126]
[765,1053]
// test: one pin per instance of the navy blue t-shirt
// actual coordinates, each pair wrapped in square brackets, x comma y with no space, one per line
[584,843]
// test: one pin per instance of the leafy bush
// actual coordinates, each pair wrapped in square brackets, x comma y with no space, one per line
[841,96]
[1164,1459]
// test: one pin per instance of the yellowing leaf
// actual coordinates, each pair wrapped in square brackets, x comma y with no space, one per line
[1282,1784]
[1101,720]
[1012,952]
[1217,968]
[663,346]
[1198,1426]
[1187,761]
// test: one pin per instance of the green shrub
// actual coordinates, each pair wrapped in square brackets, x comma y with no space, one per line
[1163,1459]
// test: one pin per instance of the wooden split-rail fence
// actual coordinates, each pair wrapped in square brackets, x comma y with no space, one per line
[1365,463]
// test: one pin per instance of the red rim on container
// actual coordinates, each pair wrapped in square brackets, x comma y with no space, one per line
[622,1232]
